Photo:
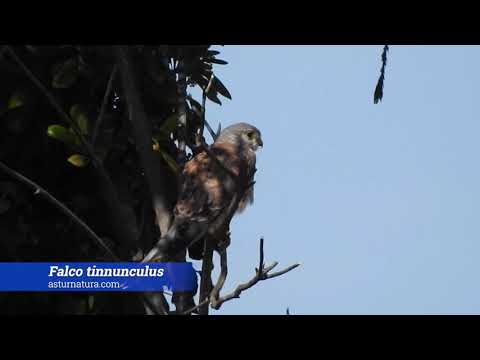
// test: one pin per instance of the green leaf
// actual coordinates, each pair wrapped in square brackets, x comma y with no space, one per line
[170,162]
[16,100]
[78,160]
[61,133]
[222,90]
[65,74]
[79,115]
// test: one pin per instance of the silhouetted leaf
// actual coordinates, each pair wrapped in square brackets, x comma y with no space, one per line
[212,95]
[79,115]
[171,163]
[65,74]
[378,93]
[169,125]
[195,105]
[218,85]
[216,61]
[200,80]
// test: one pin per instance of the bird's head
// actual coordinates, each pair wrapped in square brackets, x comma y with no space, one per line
[242,135]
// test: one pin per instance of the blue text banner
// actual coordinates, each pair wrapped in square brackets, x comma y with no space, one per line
[97,276]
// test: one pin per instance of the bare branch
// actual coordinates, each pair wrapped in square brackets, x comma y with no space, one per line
[215,294]
[195,308]
[260,274]
[49,197]
[206,276]
[279,273]
[260,266]
[142,130]
[104,104]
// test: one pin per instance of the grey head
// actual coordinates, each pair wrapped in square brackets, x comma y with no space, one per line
[242,135]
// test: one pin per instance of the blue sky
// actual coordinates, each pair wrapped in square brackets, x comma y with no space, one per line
[380,203]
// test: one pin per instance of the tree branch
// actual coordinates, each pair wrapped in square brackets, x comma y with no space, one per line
[123,233]
[104,104]
[56,105]
[142,131]
[50,198]
[215,294]
[261,274]
[182,109]
[206,275]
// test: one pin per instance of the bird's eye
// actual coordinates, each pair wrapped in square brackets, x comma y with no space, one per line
[251,134]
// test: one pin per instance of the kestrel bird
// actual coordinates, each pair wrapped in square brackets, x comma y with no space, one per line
[207,189]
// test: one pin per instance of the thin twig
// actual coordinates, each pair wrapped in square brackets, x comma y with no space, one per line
[279,273]
[260,266]
[189,311]
[41,191]
[182,110]
[259,276]
[204,99]
[104,104]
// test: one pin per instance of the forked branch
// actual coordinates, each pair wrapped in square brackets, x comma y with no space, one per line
[262,273]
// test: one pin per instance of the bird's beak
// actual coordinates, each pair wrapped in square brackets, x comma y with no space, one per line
[260,142]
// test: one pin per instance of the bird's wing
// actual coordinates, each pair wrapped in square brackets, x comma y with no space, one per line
[247,199]
[206,190]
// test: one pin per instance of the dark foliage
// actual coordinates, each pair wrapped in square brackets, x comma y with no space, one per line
[38,143]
